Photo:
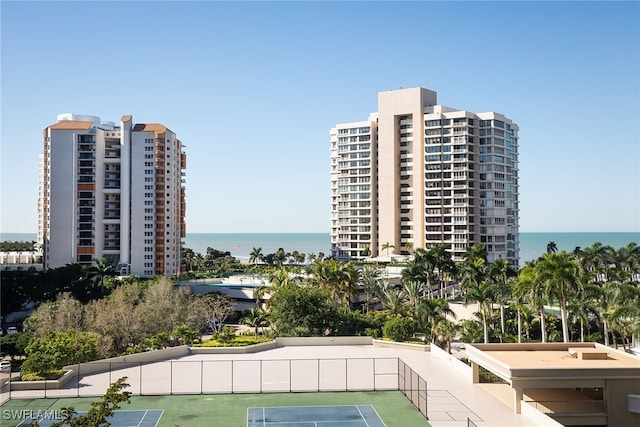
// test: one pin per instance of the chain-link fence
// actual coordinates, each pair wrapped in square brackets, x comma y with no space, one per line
[413,386]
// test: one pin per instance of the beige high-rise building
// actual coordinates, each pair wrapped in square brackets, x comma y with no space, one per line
[417,173]
[112,191]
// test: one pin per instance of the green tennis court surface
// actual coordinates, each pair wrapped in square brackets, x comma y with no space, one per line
[314,416]
[228,410]
[148,418]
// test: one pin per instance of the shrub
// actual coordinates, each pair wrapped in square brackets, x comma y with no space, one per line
[399,328]
[49,375]
[225,334]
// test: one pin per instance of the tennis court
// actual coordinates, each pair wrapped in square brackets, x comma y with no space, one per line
[231,410]
[314,416]
[135,418]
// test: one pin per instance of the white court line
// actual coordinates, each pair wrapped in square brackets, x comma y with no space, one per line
[379,417]
[161,414]
[142,419]
[363,418]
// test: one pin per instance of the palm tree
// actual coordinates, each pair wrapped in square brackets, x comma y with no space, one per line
[188,256]
[386,246]
[432,312]
[529,288]
[256,255]
[552,247]
[413,290]
[447,330]
[393,299]
[583,307]
[255,317]
[500,273]
[280,257]
[408,247]
[279,277]
[370,280]
[475,252]
[443,262]
[560,274]
[422,269]
[338,277]
[101,269]
[482,293]
[594,260]
[260,292]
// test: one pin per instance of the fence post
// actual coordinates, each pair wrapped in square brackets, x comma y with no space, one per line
[140,378]
[318,374]
[231,376]
[202,377]
[78,380]
[346,375]
[290,387]
[171,377]
[260,386]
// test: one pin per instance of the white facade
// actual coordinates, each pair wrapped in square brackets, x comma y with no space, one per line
[114,192]
[437,174]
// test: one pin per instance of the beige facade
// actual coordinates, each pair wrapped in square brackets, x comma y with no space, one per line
[437,175]
[112,191]
[575,383]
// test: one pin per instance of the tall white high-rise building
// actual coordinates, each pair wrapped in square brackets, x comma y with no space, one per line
[112,191]
[417,173]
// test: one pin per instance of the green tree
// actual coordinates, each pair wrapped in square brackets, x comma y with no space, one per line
[447,330]
[185,335]
[100,270]
[500,274]
[100,410]
[561,277]
[386,246]
[431,312]
[300,311]
[414,291]
[57,349]
[399,328]
[476,288]
[552,247]
[256,255]
[370,278]
[255,317]
[529,288]
[14,345]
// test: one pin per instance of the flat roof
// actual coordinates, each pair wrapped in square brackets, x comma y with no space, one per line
[532,359]
[560,359]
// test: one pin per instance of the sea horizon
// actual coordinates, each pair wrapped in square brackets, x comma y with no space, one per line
[240,245]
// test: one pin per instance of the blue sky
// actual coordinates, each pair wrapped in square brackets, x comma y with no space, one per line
[253,89]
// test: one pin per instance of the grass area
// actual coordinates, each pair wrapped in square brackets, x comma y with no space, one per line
[230,410]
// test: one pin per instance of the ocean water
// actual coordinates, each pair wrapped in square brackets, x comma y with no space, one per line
[532,245]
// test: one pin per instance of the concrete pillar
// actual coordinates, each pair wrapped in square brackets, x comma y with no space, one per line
[517,396]
[476,372]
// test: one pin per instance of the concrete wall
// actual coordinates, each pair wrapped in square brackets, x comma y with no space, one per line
[617,391]
[459,366]
[303,341]
[133,359]
[538,417]
[255,348]
[401,345]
